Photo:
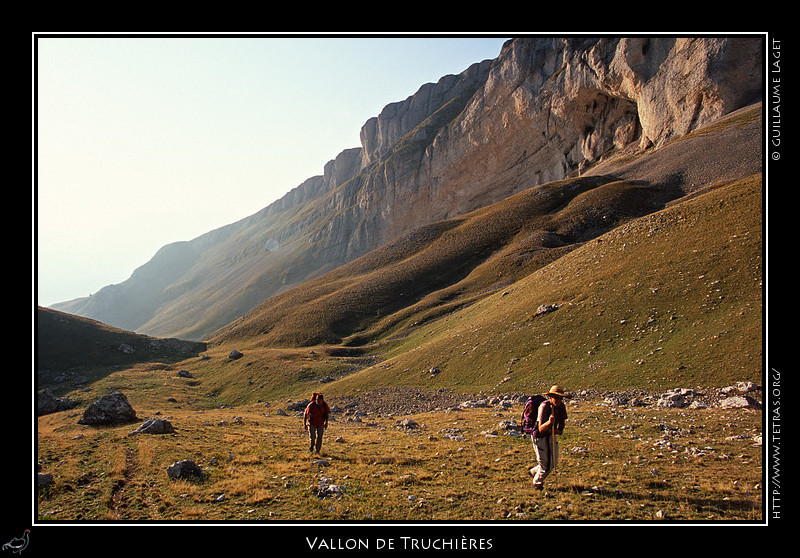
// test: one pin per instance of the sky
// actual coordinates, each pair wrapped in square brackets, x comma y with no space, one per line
[145,141]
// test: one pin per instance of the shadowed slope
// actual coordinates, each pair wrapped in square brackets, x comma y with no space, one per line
[65,342]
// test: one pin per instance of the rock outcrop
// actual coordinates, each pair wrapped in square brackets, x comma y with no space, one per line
[544,109]
[47,403]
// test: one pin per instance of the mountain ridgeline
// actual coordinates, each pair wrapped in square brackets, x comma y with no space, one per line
[460,191]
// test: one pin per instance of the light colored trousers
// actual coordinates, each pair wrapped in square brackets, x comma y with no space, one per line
[546,458]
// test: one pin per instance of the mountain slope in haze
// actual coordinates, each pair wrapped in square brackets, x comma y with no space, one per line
[545,109]
[453,261]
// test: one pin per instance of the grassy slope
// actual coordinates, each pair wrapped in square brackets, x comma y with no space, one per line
[673,298]
[455,260]
[649,305]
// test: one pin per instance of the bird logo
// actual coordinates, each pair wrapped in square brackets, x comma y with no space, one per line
[18,544]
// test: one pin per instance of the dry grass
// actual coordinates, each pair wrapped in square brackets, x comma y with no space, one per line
[611,468]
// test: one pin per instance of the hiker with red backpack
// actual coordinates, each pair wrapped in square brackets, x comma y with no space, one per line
[315,420]
[543,419]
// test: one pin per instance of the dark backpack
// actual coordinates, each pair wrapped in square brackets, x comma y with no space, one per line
[530,412]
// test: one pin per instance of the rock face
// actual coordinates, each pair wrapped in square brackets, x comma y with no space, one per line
[110,409]
[544,109]
[550,107]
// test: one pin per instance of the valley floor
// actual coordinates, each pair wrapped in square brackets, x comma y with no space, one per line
[617,463]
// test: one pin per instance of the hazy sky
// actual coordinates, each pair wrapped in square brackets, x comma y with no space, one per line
[144,141]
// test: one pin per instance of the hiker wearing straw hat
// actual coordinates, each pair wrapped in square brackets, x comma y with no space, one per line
[549,423]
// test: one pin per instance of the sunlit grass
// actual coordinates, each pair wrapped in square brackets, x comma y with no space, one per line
[260,469]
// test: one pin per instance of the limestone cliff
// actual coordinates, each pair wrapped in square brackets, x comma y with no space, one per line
[545,108]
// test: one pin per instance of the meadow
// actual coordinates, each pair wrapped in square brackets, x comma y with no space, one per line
[618,463]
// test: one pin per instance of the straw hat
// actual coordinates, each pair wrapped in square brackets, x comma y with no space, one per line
[558,391]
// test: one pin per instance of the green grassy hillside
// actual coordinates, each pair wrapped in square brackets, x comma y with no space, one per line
[656,280]
[670,298]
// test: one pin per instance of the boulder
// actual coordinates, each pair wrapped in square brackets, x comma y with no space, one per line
[185,469]
[678,397]
[406,424]
[546,309]
[108,410]
[155,426]
[747,387]
[43,480]
[298,405]
[509,425]
[739,402]
[474,404]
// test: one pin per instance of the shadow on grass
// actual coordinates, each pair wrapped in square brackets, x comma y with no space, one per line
[715,503]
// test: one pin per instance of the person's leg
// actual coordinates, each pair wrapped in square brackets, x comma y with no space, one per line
[312,435]
[320,431]
[542,469]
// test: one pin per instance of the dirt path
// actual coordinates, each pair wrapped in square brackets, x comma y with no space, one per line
[118,500]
